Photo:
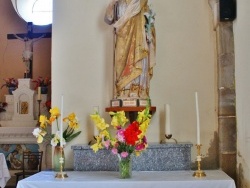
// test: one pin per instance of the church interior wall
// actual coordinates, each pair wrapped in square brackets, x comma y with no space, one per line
[186,62]
[11,63]
[81,65]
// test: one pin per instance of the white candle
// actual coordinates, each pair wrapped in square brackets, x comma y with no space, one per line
[39,93]
[61,124]
[197,118]
[167,119]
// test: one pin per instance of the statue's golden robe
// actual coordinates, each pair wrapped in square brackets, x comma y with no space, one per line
[134,54]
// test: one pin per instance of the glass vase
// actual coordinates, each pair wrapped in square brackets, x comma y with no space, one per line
[125,167]
[44,90]
[58,153]
[11,89]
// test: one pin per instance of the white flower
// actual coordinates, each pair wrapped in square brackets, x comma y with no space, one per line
[56,139]
[36,132]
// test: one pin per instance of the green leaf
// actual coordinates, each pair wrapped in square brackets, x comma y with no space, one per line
[71,137]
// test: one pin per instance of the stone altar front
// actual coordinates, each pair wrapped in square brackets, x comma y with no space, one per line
[157,157]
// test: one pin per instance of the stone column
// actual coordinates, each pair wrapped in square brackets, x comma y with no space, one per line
[226,99]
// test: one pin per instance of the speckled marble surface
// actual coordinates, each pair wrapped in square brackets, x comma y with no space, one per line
[157,157]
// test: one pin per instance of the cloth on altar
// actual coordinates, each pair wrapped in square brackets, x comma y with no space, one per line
[4,172]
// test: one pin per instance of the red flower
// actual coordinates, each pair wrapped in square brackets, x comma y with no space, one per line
[131,133]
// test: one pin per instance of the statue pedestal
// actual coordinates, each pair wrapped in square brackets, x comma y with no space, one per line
[132,111]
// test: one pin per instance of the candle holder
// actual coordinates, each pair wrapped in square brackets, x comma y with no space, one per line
[168,137]
[61,174]
[39,112]
[199,173]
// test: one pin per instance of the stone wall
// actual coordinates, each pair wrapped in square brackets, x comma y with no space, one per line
[157,157]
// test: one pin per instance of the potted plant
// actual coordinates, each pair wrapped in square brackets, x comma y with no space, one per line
[43,83]
[11,84]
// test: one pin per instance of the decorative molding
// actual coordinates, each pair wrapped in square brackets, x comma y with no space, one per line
[16,135]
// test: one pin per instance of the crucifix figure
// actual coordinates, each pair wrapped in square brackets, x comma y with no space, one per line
[29,39]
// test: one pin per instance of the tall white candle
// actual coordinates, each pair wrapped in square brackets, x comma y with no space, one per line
[61,123]
[197,118]
[39,93]
[167,119]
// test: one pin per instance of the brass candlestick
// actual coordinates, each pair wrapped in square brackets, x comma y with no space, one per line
[199,173]
[61,174]
[168,137]
[39,112]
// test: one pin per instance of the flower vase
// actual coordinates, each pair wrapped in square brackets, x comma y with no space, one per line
[125,167]
[11,89]
[58,153]
[44,89]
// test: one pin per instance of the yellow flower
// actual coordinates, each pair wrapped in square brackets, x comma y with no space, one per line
[118,118]
[137,153]
[143,127]
[100,122]
[43,121]
[72,117]
[54,113]
[97,145]
[105,134]
[72,121]
[143,115]
[39,134]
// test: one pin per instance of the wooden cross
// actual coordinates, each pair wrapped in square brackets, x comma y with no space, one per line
[29,38]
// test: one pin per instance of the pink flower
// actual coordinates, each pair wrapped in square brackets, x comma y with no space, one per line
[114,151]
[124,154]
[106,144]
[140,146]
[120,135]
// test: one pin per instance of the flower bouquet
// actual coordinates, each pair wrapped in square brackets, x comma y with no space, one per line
[43,83]
[127,140]
[10,82]
[42,133]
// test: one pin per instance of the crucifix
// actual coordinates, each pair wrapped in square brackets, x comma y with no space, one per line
[29,39]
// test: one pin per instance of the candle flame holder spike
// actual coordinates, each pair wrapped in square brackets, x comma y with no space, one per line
[199,173]
[39,112]
[168,137]
[61,174]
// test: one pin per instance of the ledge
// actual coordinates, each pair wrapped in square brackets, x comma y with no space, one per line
[157,157]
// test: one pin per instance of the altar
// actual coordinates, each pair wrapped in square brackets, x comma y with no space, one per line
[145,179]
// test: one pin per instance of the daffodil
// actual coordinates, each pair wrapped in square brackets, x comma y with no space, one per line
[54,114]
[43,121]
[68,134]
[39,134]
[72,121]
